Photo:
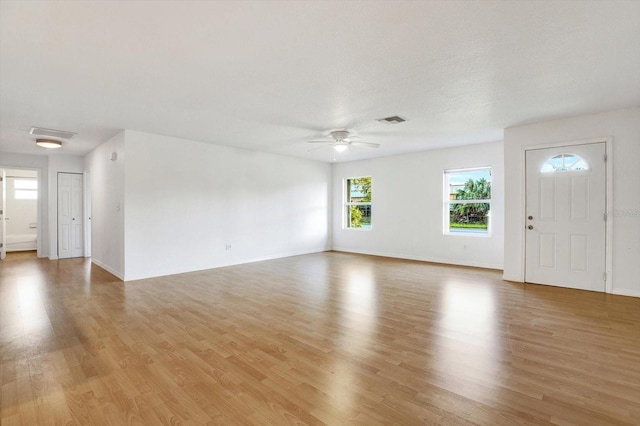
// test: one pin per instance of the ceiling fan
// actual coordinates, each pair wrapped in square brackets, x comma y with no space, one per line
[341,140]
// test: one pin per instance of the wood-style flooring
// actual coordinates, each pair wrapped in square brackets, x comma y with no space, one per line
[328,338]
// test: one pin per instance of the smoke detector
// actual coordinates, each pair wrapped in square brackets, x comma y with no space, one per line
[41,131]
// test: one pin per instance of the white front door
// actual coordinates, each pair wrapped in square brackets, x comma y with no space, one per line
[565,209]
[70,217]
[3,214]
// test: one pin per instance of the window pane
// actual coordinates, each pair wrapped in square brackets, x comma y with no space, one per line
[564,163]
[25,184]
[359,190]
[26,194]
[465,190]
[358,203]
[469,218]
[470,185]
[359,216]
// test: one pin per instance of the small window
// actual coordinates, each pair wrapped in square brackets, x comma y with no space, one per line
[358,203]
[467,201]
[564,163]
[25,189]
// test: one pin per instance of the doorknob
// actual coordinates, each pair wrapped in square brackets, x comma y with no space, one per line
[73,218]
[530,227]
[530,218]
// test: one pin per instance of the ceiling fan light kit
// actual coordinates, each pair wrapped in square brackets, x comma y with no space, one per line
[340,147]
[342,140]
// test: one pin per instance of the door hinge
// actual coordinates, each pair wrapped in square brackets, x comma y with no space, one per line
[604,216]
[605,158]
[604,276]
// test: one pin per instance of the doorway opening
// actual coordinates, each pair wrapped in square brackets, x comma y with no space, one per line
[19,231]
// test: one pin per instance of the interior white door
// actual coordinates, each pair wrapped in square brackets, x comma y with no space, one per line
[566,214]
[70,217]
[3,214]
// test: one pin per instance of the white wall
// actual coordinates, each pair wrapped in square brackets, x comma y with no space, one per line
[107,205]
[40,164]
[624,127]
[407,207]
[58,163]
[186,201]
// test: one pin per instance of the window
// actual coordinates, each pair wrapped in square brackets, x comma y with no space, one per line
[467,201]
[358,203]
[564,163]
[25,189]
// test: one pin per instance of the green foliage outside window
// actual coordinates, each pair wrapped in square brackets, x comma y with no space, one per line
[471,215]
[359,202]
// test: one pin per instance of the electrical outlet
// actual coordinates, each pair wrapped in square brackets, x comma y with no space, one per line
[227,247]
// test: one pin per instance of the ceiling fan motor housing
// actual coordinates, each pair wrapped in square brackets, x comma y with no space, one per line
[340,135]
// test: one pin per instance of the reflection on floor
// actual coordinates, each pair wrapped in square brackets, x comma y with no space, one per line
[21,255]
[328,338]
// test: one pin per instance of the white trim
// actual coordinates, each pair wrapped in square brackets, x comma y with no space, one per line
[86,213]
[346,203]
[446,225]
[608,149]
[108,269]
[420,258]
[625,292]
[608,141]
[142,276]
[467,169]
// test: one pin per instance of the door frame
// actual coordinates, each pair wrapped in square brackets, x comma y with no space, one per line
[86,181]
[608,141]
[40,203]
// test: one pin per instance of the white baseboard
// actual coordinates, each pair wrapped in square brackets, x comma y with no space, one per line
[421,258]
[108,269]
[143,275]
[625,292]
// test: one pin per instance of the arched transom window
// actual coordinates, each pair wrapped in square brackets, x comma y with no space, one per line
[564,163]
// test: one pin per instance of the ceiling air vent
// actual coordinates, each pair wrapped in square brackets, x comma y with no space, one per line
[41,131]
[392,120]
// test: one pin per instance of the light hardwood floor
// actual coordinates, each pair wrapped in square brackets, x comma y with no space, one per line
[329,338]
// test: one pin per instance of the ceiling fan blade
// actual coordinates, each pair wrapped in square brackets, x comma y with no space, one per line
[320,141]
[352,137]
[367,144]
[317,147]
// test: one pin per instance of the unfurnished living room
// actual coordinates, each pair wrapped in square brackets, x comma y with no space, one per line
[319,212]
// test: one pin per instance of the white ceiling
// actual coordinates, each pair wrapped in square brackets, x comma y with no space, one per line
[269,75]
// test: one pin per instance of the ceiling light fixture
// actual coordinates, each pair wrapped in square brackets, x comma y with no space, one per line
[49,143]
[340,147]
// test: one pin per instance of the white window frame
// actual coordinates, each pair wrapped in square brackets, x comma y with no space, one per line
[346,210]
[448,202]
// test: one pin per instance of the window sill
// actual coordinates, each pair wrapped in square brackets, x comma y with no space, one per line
[468,234]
